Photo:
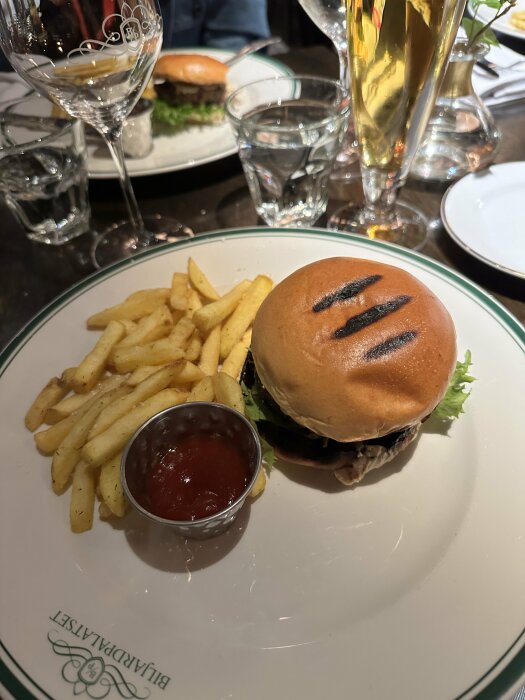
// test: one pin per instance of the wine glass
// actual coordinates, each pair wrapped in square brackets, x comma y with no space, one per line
[330,17]
[93,59]
[398,54]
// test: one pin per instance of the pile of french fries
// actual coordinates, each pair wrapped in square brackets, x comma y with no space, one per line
[517,19]
[158,348]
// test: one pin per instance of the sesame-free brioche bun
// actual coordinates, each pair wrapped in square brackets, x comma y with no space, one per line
[354,349]
[197,69]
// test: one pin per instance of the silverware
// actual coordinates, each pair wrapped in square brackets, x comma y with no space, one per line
[251,48]
[487,67]
[494,69]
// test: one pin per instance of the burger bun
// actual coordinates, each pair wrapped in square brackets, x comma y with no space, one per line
[196,69]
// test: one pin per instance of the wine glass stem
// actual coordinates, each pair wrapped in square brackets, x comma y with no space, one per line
[114,143]
[380,188]
[342,55]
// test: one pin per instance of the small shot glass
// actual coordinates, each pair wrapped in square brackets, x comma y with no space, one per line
[159,467]
[137,134]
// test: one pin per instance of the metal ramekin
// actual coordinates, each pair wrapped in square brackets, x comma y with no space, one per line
[161,431]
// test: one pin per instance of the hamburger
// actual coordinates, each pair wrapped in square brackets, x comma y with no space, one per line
[190,89]
[348,358]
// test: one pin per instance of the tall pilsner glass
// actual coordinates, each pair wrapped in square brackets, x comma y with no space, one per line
[330,17]
[398,52]
[93,58]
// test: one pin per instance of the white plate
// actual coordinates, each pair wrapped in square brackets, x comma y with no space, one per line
[409,586]
[502,25]
[195,145]
[482,213]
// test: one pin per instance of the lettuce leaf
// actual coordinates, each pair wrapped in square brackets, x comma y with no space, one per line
[451,406]
[257,409]
[186,114]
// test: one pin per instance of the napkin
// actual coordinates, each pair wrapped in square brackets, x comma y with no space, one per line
[482,81]
[12,87]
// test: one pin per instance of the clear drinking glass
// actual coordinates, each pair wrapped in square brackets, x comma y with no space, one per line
[93,58]
[398,54]
[330,17]
[289,131]
[43,174]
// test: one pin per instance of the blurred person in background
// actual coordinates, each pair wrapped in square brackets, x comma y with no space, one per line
[225,24]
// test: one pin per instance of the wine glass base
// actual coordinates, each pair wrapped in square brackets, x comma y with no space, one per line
[120,241]
[409,228]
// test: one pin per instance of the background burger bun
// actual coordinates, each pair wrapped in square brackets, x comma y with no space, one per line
[388,375]
[190,68]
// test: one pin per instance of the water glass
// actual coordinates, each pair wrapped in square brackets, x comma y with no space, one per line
[289,131]
[43,174]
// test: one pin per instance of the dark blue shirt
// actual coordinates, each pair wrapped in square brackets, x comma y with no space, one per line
[225,24]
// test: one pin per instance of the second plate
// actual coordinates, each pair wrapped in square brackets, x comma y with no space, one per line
[481,212]
[195,145]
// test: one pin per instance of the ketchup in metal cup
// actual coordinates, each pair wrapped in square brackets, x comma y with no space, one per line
[200,475]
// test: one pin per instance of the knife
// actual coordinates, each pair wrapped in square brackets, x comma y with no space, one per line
[487,67]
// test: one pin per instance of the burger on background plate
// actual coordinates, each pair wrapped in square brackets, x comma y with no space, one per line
[348,358]
[190,89]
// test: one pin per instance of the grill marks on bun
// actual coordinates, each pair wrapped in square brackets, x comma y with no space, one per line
[390,345]
[373,314]
[349,291]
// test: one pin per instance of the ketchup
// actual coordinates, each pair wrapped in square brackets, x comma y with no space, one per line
[199,476]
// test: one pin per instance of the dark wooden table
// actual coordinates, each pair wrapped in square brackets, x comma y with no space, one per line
[215,196]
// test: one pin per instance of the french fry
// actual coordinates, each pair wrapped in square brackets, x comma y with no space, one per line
[202,391]
[51,394]
[244,314]
[122,405]
[136,306]
[194,303]
[67,376]
[48,440]
[200,282]
[157,324]
[73,402]
[161,352]
[67,454]
[138,375]
[209,361]
[186,373]
[259,485]
[215,312]
[517,19]
[228,391]
[94,364]
[182,332]
[112,440]
[82,502]
[193,351]
[179,291]
[129,326]
[234,363]
[111,488]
